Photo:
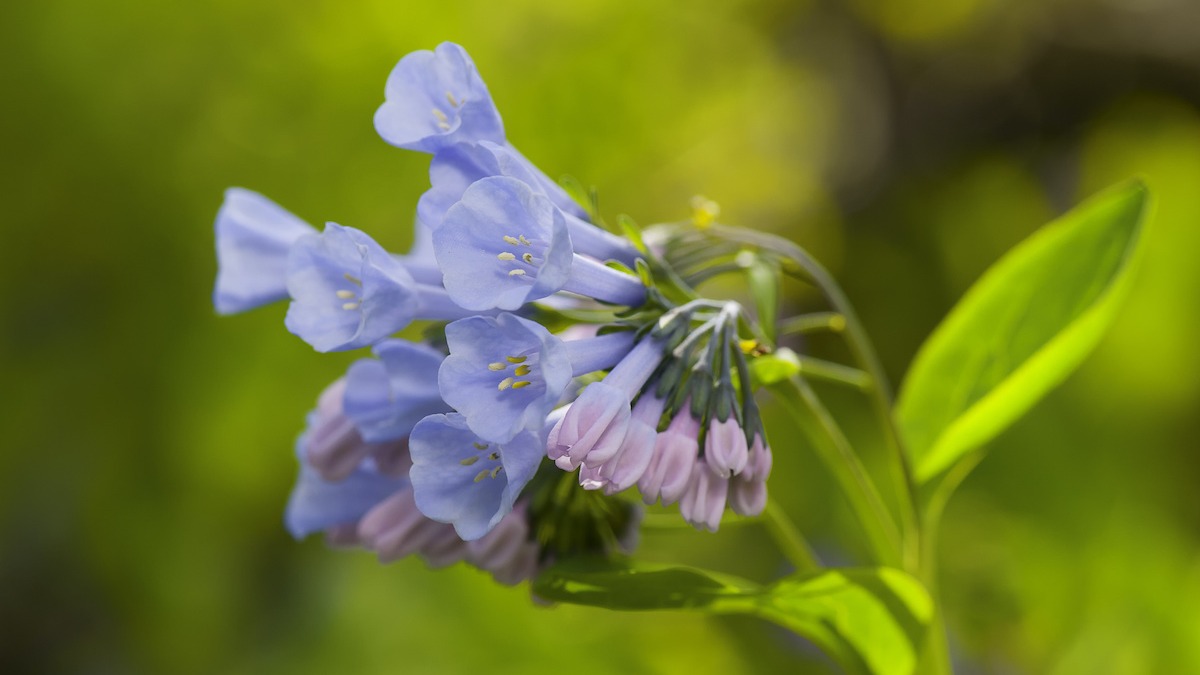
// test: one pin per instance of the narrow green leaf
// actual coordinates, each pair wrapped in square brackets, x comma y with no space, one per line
[871,621]
[1021,329]
[763,277]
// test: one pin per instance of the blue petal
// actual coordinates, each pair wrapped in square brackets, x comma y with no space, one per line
[477,378]
[436,99]
[456,481]
[253,235]
[347,292]
[498,217]
[386,397]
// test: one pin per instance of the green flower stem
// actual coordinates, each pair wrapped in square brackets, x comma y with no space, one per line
[835,451]
[829,371]
[863,352]
[812,323]
[789,539]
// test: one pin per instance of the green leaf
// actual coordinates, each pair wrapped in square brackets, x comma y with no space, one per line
[871,621]
[1021,329]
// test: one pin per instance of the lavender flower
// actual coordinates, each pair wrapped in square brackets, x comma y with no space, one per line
[347,292]
[505,374]
[455,169]
[254,235]
[504,245]
[436,99]
[675,450]
[386,396]
[704,501]
[461,479]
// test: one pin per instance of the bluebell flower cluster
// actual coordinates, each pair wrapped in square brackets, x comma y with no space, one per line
[561,366]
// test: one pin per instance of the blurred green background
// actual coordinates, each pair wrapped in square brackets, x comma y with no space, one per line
[146,444]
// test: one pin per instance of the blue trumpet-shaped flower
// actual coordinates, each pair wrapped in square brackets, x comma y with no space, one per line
[435,99]
[504,245]
[454,169]
[386,396]
[254,235]
[505,374]
[460,478]
[348,292]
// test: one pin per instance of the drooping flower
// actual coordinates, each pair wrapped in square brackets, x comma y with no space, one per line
[254,235]
[348,292]
[725,448]
[461,479]
[595,426]
[704,501]
[505,374]
[435,99]
[675,452]
[637,450]
[456,168]
[386,396]
[504,245]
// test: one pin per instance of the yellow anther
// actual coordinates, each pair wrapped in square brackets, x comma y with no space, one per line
[506,256]
[525,241]
[352,279]
[480,446]
[522,370]
[453,101]
[511,241]
[494,456]
[349,306]
[505,383]
[497,366]
[496,471]
[527,257]
[481,475]
[516,359]
[520,384]
[345,295]
[516,273]
[469,460]
[443,121]
[704,211]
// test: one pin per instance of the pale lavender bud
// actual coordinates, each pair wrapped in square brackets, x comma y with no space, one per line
[725,448]
[759,465]
[507,552]
[593,428]
[704,501]
[670,468]
[623,471]
[334,447]
[395,528]
[747,497]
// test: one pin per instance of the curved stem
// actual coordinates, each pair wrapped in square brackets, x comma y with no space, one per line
[835,451]
[863,352]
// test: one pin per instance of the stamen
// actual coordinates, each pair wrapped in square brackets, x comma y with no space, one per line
[481,475]
[480,446]
[522,370]
[494,456]
[497,366]
[345,295]
[525,241]
[443,121]
[469,460]
[454,103]
[506,256]
[516,359]
[352,279]
[527,257]
[349,306]
[496,471]
[521,384]
[516,273]
[512,241]
[505,383]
